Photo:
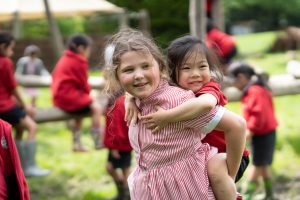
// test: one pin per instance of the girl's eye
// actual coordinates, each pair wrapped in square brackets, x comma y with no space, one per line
[185,68]
[203,66]
[145,66]
[127,70]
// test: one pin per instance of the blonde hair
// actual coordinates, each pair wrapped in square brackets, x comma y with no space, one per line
[124,41]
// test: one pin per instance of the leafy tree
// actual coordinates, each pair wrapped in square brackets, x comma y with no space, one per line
[268,14]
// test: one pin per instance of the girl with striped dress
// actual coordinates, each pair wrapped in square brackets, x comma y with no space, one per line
[171,164]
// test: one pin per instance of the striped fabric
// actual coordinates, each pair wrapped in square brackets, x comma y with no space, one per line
[171,164]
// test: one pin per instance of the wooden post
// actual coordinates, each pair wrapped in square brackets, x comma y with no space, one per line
[123,20]
[218,15]
[197,16]
[54,30]
[17,25]
[144,21]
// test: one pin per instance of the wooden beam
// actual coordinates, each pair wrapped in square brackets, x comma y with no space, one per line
[45,81]
[280,84]
[285,84]
[54,114]
[197,18]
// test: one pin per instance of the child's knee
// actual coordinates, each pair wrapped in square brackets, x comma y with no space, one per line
[109,168]
[217,169]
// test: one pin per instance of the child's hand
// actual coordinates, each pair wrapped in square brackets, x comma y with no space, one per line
[115,154]
[131,111]
[156,121]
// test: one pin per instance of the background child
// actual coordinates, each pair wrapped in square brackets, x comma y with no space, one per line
[171,164]
[71,90]
[12,109]
[194,67]
[12,181]
[258,109]
[31,64]
[223,44]
[117,141]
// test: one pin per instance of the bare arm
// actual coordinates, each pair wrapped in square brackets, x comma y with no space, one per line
[234,127]
[19,99]
[187,110]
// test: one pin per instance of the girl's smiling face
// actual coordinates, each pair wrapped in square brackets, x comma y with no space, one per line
[194,72]
[138,73]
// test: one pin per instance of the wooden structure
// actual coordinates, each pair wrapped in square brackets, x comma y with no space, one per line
[280,85]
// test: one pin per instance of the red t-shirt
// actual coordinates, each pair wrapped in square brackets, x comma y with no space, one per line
[70,88]
[258,109]
[116,130]
[8,84]
[12,167]
[221,42]
[216,138]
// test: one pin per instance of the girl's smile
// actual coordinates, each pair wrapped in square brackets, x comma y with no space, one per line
[138,73]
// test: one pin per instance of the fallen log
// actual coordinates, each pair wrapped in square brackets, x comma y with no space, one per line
[45,81]
[280,85]
[285,84]
[53,114]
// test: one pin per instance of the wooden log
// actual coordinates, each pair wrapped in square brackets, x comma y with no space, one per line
[45,81]
[280,85]
[54,114]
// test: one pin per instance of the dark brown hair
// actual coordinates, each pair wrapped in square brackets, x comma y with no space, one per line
[6,38]
[181,48]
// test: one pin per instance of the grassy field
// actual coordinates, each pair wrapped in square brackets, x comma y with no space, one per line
[83,177]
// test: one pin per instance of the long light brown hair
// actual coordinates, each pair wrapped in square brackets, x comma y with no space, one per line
[124,41]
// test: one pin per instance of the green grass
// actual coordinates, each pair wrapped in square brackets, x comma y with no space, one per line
[254,48]
[78,176]
[255,43]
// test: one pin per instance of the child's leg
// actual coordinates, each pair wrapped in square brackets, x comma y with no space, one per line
[76,133]
[30,125]
[28,149]
[118,179]
[253,175]
[222,184]
[266,174]
[126,173]
[96,132]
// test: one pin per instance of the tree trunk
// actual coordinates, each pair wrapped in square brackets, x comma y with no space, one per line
[197,16]
[54,30]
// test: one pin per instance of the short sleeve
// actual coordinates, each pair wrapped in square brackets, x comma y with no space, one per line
[207,121]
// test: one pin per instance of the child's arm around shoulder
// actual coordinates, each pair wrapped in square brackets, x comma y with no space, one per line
[131,110]
[186,111]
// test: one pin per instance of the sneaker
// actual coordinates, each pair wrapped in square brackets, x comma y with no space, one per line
[80,149]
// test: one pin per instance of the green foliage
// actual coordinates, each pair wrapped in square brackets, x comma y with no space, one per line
[69,26]
[40,29]
[101,24]
[169,19]
[35,29]
[267,14]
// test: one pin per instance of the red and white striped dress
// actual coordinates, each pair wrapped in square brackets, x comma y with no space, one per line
[171,164]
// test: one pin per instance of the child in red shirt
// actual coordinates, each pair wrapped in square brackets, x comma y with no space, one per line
[13,184]
[71,91]
[223,44]
[258,109]
[194,67]
[12,109]
[117,141]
